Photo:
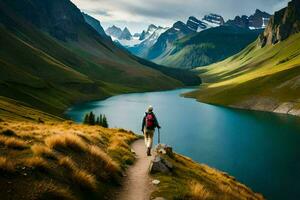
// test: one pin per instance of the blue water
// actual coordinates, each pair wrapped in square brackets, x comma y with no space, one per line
[262,150]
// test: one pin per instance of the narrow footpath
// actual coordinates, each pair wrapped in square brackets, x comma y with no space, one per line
[137,184]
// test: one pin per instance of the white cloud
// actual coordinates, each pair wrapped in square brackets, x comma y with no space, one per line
[138,14]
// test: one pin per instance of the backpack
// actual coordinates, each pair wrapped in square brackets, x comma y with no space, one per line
[150,121]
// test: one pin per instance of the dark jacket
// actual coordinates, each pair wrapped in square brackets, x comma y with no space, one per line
[155,121]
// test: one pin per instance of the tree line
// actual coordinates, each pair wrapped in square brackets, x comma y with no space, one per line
[91,119]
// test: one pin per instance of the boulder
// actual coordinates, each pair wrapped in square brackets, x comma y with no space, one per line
[158,165]
[165,150]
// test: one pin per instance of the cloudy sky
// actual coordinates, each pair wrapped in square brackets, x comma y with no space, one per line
[138,14]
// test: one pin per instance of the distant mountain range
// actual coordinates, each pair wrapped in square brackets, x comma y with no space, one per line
[258,20]
[192,44]
[263,76]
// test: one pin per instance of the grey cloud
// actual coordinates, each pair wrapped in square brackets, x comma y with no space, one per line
[169,11]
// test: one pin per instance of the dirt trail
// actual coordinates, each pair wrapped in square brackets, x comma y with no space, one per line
[137,185]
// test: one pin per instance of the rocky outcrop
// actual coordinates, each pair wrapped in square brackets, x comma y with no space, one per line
[214,19]
[284,23]
[258,20]
[114,31]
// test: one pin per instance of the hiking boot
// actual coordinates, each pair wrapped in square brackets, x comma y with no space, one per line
[148,151]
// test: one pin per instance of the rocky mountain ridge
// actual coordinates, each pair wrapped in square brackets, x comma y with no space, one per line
[284,23]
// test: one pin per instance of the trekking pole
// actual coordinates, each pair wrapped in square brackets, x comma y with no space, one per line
[158,136]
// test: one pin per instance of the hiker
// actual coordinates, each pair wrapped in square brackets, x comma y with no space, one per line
[149,124]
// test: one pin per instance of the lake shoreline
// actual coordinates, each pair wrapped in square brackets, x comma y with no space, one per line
[259,104]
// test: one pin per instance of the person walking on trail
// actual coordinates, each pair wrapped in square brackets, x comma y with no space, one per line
[148,128]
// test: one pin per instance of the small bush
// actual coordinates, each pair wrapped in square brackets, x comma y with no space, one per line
[37,163]
[66,141]
[85,180]
[6,166]
[43,151]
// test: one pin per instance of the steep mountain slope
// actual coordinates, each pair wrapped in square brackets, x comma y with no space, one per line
[52,58]
[164,43]
[265,75]
[95,24]
[207,47]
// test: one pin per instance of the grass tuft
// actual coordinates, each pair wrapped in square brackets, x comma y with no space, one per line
[85,180]
[13,143]
[6,166]
[37,163]
[67,163]
[198,191]
[78,176]
[100,155]
[43,151]
[67,142]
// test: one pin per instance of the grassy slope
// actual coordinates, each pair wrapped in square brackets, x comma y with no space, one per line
[190,180]
[256,78]
[208,46]
[61,160]
[50,74]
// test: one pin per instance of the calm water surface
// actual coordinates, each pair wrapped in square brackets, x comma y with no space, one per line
[260,149]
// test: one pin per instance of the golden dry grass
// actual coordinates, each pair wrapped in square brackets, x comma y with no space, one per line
[6,165]
[84,179]
[43,151]
[37,163]
[109,164]
[80,177]
[13,143]
[66,141]
[78,158]
[198,191]
[67,163]
[191,180]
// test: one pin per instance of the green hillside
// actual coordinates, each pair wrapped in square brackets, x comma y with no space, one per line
[51,58]
[257,78]
[207,46]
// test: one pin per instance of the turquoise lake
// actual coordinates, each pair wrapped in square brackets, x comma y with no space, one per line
[262,150]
